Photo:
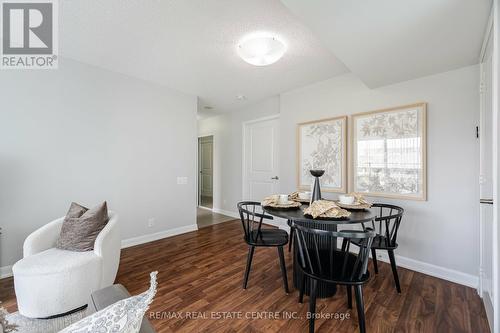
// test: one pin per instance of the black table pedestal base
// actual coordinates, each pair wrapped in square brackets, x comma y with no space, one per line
[324,290]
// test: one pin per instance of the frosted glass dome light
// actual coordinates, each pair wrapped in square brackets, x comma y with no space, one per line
[261,50]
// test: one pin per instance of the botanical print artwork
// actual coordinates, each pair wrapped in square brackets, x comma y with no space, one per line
[322,146]
[389,152]
[389,125]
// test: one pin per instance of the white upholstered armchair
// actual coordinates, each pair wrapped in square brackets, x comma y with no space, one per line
[50,281]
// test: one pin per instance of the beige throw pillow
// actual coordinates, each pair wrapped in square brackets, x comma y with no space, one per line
[76,210]
[81,227]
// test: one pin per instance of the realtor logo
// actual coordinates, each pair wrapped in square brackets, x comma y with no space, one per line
[29,34]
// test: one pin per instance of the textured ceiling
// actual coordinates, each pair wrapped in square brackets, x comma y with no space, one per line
[190,45]
[389,41]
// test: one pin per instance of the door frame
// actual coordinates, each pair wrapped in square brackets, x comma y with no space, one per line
[215,170]
[244,126]
[493,27]
[496,165]
[489,303]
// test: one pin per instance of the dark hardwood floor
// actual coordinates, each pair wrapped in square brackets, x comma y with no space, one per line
[200,274]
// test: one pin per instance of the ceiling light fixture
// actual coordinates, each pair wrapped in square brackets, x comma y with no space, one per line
[261,49]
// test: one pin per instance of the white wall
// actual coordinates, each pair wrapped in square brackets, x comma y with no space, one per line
[227,132]
[442,231]
[84,134]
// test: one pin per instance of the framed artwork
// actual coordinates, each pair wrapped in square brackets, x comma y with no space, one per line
[322,144]
[389,152]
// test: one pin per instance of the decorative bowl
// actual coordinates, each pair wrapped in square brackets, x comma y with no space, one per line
[317,173]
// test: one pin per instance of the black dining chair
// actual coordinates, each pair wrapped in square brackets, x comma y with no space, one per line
[255,236]
[327,263]
[292,232]
[386,225]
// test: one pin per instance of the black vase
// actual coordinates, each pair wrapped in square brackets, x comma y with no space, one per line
[316,194]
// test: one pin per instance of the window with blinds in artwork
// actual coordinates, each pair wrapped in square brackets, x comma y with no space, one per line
[388,152]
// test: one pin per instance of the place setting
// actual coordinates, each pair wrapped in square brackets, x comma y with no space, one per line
[353,201]
[302,197]
[326,209]
[280,201]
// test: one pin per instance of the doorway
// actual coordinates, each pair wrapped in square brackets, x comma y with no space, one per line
[205,171]
[208,171]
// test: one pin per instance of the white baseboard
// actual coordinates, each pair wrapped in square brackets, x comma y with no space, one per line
[488,307]
[6,271]
[451,275]
[158,235]
[226,212]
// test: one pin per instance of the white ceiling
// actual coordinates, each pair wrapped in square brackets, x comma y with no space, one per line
[389,41]
[190,45]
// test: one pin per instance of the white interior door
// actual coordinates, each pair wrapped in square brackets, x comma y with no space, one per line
[486,181]
[260,175]
[206,166]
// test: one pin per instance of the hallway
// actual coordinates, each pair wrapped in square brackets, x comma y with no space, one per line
[207,218]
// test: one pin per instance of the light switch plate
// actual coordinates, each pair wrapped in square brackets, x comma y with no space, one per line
[182,180]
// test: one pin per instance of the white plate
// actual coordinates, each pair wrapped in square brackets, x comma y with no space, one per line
[289,202]
[351,204]
[357,205]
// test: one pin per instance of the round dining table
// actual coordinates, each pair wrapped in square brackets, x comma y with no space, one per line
[296,215]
